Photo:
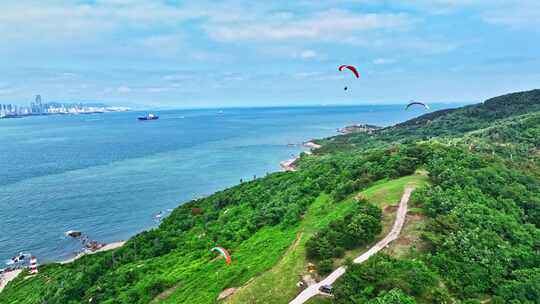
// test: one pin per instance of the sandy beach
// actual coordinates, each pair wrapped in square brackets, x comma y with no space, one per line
[288,165]
[7,277]
[107,247]
[311,145]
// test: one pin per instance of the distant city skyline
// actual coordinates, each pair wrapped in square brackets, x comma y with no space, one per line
[37,107]
[197,54]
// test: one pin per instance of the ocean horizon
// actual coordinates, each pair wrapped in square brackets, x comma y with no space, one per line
[111,176]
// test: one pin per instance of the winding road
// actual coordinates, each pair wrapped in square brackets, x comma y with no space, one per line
[313,290]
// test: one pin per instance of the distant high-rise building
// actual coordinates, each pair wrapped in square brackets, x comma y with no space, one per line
[38,105]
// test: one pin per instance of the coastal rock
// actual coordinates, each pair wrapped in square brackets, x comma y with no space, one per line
[288,165]
[359,128]
[226,293]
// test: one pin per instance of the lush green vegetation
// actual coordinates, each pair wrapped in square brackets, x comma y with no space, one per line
[359,227]
[481,232]
[278,285]
[482,207]
[451,123]
[485,223]
[381,274]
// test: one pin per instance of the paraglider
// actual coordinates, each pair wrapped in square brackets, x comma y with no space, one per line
[412,103]
[351,68]
[224,253]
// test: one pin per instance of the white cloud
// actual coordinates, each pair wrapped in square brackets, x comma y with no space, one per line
[308,54]
[233,77]
[34,21]
[523,16]
[381,61]
[157,89]
[403,43]
[123,89]
[317,76]
[517,14]
[7,90]
[164,45]
[328,25]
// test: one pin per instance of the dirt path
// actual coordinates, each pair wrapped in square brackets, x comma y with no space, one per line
[6,277]
[393,235]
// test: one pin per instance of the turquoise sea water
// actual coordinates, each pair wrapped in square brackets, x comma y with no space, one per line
[108,175]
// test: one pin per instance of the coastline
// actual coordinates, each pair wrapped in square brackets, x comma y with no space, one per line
[6,277]
[107,247]
[9,276]
[61,113]
[288,165]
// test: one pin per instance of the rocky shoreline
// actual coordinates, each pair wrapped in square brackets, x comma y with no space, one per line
[288,165]
[9,276]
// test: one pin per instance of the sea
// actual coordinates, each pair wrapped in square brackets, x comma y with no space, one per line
[111,176]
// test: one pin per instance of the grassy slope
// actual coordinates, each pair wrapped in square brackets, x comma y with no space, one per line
[197,279]
[279,284]
[383,194]
[210,280]
[388,192]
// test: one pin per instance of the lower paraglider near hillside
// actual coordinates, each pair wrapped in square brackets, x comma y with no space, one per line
[224,253]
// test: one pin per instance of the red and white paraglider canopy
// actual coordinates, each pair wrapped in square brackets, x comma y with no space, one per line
[351,68]
[224,253]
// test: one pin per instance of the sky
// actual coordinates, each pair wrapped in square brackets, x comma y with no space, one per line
[220,53]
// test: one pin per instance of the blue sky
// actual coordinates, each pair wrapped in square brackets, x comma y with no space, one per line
[242,53]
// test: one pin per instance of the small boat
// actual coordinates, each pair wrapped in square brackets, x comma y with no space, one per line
[148,117]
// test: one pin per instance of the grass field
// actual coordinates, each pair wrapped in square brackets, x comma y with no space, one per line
[253,257]
[319,300]
[388,192]
[278,285]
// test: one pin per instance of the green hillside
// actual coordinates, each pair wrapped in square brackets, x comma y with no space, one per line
[443,123]
[278,285]
[475,236]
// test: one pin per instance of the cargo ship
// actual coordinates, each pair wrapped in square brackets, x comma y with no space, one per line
[148,117]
